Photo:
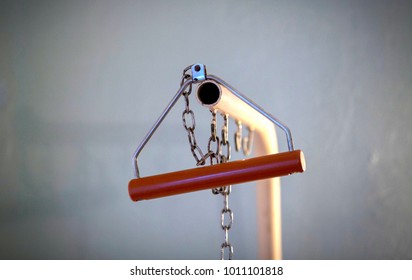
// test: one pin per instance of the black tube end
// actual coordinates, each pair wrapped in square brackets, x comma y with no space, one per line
[208,93]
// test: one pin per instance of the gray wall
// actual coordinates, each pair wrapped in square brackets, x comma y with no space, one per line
[81,82]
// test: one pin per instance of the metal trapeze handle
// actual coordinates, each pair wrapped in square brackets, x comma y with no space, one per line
[171,183]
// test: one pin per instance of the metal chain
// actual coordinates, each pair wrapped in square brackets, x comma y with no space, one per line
[218,156]
[218,151]
[238,136]
[245,143]
[189,123]
[226,218]
[214,155]
[226,223]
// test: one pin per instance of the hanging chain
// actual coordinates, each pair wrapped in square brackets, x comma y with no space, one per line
[218,151]
[244,143]
[221,154]
[226,219]
[189,123]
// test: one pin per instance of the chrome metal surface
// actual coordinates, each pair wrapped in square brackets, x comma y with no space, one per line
[198,72]
[156,125]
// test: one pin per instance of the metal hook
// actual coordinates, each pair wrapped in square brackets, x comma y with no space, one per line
[248,142]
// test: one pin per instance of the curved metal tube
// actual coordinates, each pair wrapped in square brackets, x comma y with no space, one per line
[257,108]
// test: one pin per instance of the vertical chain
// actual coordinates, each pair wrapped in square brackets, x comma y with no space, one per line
[214,155]
[189,123]
[219,151]
[226,223]
[222,154]
[238,136]
[226,218]
[244,143]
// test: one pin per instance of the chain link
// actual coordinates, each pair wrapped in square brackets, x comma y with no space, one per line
[238,136]
[218,151]
[213,125]
[189,124]
[226,224]
[244,143]
[226,218]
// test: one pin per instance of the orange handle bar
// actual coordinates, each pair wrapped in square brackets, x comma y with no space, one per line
[218,175]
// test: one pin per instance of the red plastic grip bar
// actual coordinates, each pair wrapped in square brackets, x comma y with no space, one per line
[218,175]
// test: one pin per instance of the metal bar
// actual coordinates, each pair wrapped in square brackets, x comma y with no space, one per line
[156,125]
[213,176]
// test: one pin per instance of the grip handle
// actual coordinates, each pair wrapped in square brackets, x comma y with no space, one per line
[218,175]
